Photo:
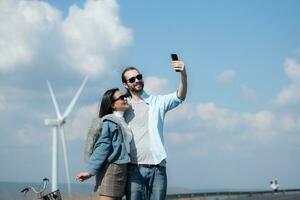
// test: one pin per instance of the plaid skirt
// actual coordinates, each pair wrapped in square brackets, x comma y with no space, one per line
[111,181]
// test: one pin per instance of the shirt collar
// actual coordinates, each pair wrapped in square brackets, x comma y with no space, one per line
[145,97]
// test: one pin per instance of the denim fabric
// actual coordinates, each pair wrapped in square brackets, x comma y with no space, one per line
[109,148]
[146,183]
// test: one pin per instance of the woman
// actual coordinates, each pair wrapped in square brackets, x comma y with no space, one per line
[111,151]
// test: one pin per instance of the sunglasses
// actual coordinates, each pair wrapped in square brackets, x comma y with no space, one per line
[122,97]
[138,77]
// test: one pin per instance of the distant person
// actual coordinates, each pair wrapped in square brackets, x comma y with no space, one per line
[147,177]
[111,151]
[274,185]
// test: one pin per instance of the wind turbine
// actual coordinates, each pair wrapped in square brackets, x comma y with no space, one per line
[57,126]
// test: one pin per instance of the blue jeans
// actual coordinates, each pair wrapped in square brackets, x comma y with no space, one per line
[145,183]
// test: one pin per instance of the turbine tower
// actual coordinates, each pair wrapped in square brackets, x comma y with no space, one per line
[58,127]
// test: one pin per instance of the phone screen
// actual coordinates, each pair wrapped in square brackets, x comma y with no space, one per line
[174,58]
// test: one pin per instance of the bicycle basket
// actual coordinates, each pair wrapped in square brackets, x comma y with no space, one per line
[55,195]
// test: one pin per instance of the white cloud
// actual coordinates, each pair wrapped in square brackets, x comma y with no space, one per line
[155,85]
[261,120]
[194,129]
[260,125]
[291,94]
[22,30]
[226,76]
[182,112]
[182,138]
[220,117]
[248,93]
[88,40]
[209,111]
[292,69]
[94,35]
[215,124]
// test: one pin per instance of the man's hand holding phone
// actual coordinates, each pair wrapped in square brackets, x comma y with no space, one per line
[177,64]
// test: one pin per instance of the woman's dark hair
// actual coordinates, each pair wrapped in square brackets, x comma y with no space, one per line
[107,101]
[124,79]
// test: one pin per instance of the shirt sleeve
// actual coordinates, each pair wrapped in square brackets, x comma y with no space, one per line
[170,101]
[102,149]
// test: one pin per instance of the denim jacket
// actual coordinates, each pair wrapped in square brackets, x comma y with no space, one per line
[109,148]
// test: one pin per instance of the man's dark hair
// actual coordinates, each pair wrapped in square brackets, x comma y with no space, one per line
[126,70]
[124,79]
[107,101]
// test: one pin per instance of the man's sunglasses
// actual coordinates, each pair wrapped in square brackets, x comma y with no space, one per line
[122,97]
[138,77]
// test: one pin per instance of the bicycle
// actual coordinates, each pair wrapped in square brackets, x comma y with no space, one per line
[55,195]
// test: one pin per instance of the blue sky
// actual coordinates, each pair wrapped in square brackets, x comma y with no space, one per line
[239,126]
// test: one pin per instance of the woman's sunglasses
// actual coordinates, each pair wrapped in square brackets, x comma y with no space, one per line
[138,77]
[122,97]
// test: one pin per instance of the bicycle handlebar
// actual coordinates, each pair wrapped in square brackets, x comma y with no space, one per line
[37,191]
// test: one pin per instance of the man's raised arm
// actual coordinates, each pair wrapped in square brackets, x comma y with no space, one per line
[182,88]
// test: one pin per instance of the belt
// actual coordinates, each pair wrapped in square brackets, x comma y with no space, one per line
[144,165]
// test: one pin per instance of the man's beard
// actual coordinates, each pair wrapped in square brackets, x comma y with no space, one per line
[136,90]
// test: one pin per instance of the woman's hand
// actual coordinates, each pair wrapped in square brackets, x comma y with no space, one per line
[83,176]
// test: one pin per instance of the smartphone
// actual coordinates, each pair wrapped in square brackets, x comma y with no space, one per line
[174,58]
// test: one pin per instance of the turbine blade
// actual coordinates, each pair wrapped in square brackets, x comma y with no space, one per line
[65,159]
[71,105]
[54,101]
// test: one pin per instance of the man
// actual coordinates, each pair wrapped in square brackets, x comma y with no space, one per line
[147,178]
[274,185]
